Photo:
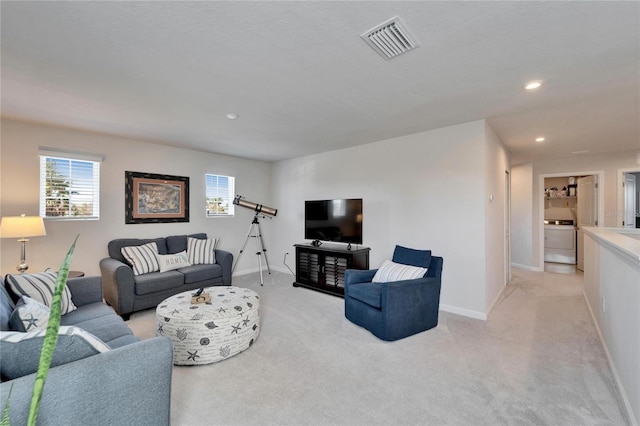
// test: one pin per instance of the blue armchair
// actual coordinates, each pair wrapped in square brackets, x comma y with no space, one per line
[395,310]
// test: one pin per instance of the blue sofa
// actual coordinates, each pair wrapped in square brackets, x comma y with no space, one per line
[129,383]
[128,293]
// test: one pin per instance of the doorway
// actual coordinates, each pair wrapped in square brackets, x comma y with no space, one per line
[628,212]
[599,201]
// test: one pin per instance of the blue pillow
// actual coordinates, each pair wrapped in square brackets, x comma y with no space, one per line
[413,257]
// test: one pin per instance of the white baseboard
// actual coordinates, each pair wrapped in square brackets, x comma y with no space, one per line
[463,312]
[526,267]
[497,300]
[616,376]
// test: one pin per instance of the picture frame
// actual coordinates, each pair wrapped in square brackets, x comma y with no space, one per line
[156,198]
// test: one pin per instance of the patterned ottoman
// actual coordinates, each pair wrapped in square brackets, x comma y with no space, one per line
[209,332]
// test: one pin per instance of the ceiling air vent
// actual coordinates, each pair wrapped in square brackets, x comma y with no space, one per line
[390,39]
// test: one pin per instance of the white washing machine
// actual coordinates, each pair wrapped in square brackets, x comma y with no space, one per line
[560,241]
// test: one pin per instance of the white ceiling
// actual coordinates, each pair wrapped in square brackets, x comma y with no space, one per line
[303,81]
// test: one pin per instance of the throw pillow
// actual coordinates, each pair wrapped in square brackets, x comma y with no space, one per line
[29,315]
[201,252]
[169,262]
[143,259]
[21,351]
[391,271]
[40,287]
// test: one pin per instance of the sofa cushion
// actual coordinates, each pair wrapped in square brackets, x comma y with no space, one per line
[196,273]
[40,287]
[6,307]
[178,243]
[369,293]
[101,321]
[143,259]
[21,351]
[391,271]
[157,281]
[114,247]
[413,257]
[29,315]
[201,252]
[171,262]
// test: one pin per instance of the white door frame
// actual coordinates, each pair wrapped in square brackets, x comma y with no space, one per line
[620,192]
[541,177]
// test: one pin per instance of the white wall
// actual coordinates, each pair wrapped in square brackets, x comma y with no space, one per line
[522,215]
[496,164]
[568,166]
[20,191]
[425,190]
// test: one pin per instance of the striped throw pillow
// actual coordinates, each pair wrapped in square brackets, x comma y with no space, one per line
[143,259]
[201,252]
[391,271]
[40,287]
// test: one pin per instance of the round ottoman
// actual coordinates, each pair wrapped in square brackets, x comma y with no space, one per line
[209,332]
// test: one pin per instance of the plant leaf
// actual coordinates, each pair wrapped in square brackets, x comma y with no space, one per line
[5,421]
[51,337]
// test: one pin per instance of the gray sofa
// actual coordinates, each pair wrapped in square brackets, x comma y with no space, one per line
[128,293]
[128,384]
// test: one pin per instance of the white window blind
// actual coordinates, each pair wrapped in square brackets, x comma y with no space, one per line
[69,185]
[220,193]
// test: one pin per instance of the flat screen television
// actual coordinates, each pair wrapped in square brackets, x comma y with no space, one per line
[333,220]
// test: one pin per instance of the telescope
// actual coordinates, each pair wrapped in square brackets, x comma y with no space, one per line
[258,208]
[255,231]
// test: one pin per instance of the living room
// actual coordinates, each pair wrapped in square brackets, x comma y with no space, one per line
[440,187]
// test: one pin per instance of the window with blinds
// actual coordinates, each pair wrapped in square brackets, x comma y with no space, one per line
[220,193]
[69,186]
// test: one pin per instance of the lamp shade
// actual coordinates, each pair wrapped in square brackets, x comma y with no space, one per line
[22,227]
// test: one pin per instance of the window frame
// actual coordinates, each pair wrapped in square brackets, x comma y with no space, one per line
[89,185]
[228,198]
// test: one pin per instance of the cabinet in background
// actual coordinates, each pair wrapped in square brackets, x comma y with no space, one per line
[322,268]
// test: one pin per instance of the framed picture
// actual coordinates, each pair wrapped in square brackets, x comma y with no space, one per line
[153,198]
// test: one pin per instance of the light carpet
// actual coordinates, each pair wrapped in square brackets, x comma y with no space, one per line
[537,361]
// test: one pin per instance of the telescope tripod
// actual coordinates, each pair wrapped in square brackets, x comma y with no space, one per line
[256,232]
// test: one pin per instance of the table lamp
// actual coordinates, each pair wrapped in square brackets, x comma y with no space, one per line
[22,227]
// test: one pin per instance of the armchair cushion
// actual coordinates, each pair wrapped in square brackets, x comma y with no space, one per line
[413,257]
[391,271]
[40,287]
[369,293]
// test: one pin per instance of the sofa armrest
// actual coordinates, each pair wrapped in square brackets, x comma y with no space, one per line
[117,285]
[225,259]
[128,385]
[85,290]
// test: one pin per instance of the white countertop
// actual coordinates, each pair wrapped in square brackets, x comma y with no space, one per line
[625,240]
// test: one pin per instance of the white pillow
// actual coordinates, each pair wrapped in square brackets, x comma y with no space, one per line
[169,262]
[29,315]
[201,252]
[40,287]
[143,259]
[391,271]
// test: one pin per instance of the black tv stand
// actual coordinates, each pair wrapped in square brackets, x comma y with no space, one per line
[322,268]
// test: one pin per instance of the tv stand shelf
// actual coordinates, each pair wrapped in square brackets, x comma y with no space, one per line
[322,267]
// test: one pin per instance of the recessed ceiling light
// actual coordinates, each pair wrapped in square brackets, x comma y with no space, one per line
[540,139]
[232,116]
[533,85]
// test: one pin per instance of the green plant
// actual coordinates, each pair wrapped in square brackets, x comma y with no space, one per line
[49,344]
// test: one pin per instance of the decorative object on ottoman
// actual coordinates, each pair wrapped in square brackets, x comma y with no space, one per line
[209,332]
